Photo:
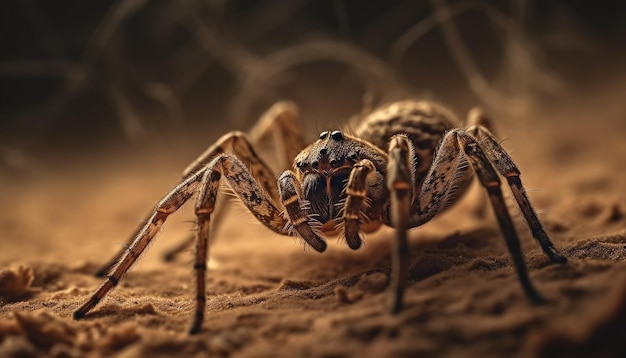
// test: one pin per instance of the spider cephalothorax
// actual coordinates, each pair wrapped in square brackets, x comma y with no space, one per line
[324,169]
[407,162]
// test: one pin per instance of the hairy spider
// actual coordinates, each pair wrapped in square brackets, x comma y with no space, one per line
[406,163]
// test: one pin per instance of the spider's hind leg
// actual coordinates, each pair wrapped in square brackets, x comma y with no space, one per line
[448,171]
[508,169]
[491,182]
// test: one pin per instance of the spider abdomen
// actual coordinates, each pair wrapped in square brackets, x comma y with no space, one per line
[424,123]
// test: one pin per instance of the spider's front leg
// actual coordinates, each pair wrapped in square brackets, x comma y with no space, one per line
[206,181]
[239,143]
[280,123]
[247,183]
[260,204]
[356,201]
[168,205]
[297,212]
[400,183]
[400,170]
[253,196]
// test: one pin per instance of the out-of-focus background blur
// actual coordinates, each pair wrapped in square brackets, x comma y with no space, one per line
[77,76]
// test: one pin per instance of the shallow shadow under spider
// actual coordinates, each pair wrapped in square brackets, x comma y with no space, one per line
[406,162]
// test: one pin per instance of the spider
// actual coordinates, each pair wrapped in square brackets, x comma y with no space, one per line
[407,162]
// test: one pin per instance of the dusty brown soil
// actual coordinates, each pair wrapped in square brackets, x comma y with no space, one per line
[267,297]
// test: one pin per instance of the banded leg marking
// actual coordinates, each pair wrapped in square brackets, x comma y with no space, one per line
[491,182]
[509,170]
[290,196]
[356,194]
[169,204]
[400,183]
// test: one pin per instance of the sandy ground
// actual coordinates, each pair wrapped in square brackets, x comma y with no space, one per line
[267,297]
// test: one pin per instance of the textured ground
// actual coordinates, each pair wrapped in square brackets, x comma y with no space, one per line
[266,297]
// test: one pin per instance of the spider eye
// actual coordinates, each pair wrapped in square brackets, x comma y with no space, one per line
[323,135]
[336,135]
[335,163]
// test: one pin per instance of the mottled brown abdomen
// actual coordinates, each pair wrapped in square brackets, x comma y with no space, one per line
[423,122]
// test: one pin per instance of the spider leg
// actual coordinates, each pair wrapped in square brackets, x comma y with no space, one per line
[243,149]
[251,193]
[280,124]
[206,181]
[400,182]
[509,170]
[491,182]
[168,205]
[356,194]
[448,172]
[296,211]
[440,187]
[205,206]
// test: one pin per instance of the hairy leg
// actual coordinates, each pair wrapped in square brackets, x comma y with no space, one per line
[400,183]
[243,148]
[205,206]
[168,205]
[297,211]
[448,169]
[282,126]
[253,196]
[491,182]
[356,196]
[509,170]
[206,181]
[447,173]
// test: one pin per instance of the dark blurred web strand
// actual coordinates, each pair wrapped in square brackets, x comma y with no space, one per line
[214,37]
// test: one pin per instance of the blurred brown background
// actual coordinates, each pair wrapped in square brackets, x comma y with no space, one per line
[76,74]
